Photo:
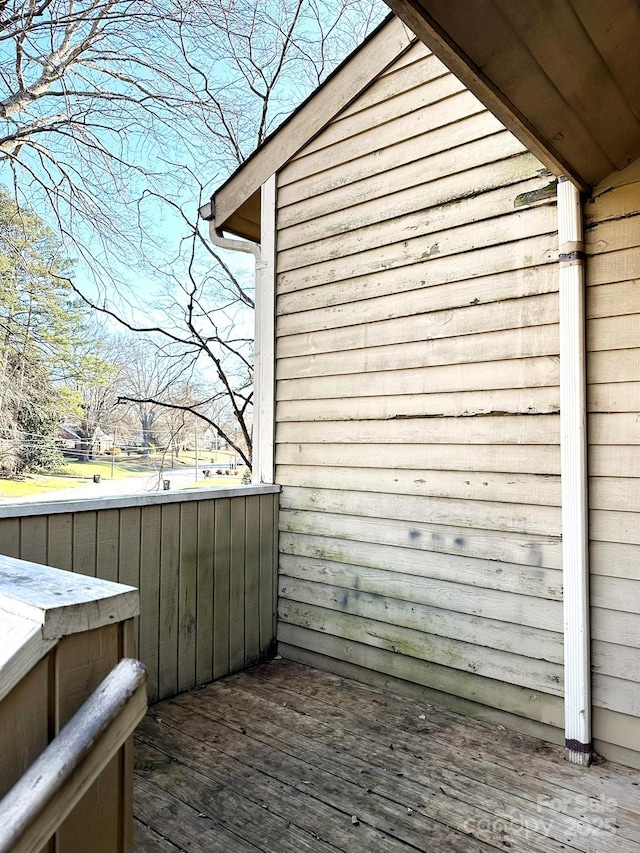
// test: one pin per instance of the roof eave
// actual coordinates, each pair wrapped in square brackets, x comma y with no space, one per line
[235,206]
[562,77]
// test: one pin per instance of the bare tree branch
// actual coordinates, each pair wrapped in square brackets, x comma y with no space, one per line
[111,113]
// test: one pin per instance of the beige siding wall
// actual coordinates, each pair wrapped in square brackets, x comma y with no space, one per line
[613,372]
[417,401]
[205,570]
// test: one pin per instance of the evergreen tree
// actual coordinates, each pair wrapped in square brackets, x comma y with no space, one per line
[41,323]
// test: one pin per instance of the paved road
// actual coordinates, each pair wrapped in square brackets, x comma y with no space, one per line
[148,482]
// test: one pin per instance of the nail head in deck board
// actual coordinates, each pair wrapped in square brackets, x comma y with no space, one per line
[477,739]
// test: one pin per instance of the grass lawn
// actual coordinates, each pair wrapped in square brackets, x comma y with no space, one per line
[75,475]
[33,485]
[128,467]
[78,474]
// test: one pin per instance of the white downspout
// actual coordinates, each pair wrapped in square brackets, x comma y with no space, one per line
[234,245]
[264,407]
[573,452]
[262,467]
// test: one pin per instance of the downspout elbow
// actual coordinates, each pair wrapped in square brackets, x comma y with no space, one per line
[217,238]
[234,245]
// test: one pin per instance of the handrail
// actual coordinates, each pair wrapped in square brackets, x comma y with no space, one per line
[38,803]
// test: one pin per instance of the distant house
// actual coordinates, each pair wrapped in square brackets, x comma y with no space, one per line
[69,437]
[432,539]
[74,442]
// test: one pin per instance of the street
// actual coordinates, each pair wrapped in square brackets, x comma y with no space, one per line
[144,483]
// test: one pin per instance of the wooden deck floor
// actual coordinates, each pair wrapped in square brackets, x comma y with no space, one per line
[287,759]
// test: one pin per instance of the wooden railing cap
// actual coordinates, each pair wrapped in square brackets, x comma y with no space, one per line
[62,602]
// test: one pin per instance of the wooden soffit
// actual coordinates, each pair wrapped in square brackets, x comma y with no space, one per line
[562,75]
[235,207]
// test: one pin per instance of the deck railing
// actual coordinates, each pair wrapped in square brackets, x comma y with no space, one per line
[37,805]
[203,560]
[66,775]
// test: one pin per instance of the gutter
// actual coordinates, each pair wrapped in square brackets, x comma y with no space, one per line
[573,467]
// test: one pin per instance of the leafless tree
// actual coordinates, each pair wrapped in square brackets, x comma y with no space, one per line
[109,109]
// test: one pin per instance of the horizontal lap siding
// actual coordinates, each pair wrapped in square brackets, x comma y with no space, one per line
[613,373]
[205,570]
[417,399]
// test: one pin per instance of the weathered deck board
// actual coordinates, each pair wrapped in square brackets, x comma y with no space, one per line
[148,841]
[286,758]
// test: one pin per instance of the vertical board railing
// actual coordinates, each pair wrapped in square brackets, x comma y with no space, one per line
[205,563]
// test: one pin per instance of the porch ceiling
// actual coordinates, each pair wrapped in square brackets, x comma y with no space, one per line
[562,75]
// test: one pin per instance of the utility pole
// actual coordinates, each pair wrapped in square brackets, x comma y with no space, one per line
[113,450]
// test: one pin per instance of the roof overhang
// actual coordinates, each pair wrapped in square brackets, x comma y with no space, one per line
[562,75]
[235,207]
